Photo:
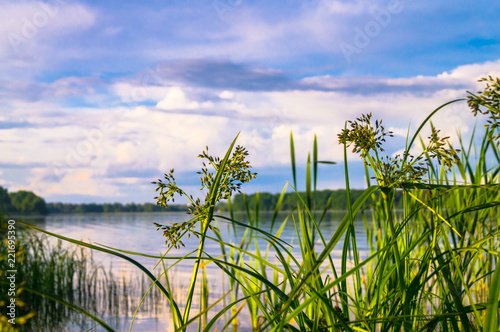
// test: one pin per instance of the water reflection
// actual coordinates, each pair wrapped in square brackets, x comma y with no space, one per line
[136,232]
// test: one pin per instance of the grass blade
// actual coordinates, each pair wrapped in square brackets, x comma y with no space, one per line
[491,318]
[292,157]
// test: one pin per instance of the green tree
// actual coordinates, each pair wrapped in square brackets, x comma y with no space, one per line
[27,202]
[4,200]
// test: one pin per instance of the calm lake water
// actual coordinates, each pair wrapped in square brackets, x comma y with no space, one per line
[136,232]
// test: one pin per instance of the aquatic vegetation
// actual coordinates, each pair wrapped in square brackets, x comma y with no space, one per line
[59,283]
[431,266]
[230,174]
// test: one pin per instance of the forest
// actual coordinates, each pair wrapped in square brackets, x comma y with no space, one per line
[22,202]
[27,202]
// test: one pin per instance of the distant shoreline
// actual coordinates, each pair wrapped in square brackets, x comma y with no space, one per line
[25,203]
[335,199]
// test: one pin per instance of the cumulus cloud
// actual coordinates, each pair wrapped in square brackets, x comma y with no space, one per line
[99,150]
[176,99]
[132,93]
[226,94]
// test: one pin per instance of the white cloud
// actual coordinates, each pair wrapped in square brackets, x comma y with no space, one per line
[226,94]
[174,133]
[472,72]
[130,93]
[80,181]
[176,99]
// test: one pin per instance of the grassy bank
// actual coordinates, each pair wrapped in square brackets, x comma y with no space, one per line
[58,286]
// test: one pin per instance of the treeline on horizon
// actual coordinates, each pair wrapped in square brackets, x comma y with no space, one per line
[111,207]
[26,202]
[267,201]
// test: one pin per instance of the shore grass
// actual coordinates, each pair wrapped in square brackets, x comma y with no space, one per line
[61,286]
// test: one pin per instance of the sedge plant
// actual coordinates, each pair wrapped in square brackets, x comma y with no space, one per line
[432,263]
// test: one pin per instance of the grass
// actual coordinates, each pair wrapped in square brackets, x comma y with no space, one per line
[53,279]
[58,286]
[431,266]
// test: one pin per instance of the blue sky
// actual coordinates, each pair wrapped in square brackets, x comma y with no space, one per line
[97,99]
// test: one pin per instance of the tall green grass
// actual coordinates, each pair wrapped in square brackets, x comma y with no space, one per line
[60,286]
[430,266]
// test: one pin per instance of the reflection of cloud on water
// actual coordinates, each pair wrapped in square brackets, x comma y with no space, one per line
[135,232]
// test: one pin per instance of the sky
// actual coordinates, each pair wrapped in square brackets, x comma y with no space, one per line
[99,98]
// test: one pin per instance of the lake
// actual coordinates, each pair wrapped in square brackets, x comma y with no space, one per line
[136,232]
